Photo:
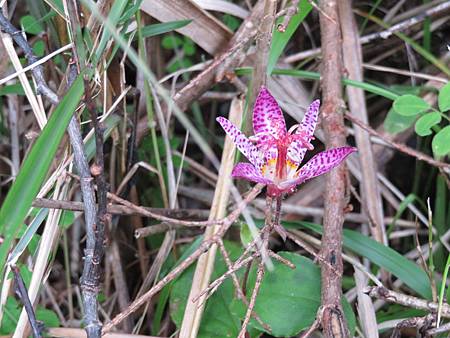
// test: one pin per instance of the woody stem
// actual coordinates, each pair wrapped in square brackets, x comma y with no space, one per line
[278,210]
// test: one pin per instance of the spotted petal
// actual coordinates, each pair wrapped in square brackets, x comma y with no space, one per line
[268,120]
[320,164]
[247,148]
[296,150]
[249,172]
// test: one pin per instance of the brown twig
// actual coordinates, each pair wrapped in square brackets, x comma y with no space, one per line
[290,12]
[390,296]
[333,320]
[399,146]
[22,293]
[230,219]
[117,209]
[251,305]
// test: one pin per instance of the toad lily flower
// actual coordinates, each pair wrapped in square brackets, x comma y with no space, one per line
[275,154]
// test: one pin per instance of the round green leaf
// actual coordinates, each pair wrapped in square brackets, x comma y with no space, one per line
[31,25]
[441,142]
[444,98]
[288,299]
[424,124]
[410,105]
[396,123]
[39,48]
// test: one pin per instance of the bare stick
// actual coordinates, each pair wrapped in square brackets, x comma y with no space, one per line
[390,296]
[399,146]
[22,293]
[333,320]
[158,217]
[185,264]
[290,12]
[117,209]
[259,277]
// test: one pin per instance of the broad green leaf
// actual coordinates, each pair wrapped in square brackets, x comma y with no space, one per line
[34,169]
[48,317]
[424,123]
[280,40]
[396,123]
[288,299]
[217,320]
[409,272]
[441,142]
[12,89]
[444,98]
[31,25]
[410,105]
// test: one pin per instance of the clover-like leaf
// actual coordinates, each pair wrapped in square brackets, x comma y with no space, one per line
[441,142]
[444,98]
[426,122]
[410,105]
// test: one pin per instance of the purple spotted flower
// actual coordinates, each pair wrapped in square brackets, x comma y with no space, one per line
[275,154]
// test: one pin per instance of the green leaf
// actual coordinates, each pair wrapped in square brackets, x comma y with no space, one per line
[441,142]
[444,98]
[424,124]
[410,105]
[396,123]
[34,169]
[171,42]
[161,28]
[231,22]
[48,317]
[217,320]
[245,234]
[409,272]
[39,48]
[10,316]
[288,299]
[67,219]
[31,25]
[280,40]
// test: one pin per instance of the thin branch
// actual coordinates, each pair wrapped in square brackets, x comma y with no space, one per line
[22,293]
[117,209]
[399,146]
[380,292]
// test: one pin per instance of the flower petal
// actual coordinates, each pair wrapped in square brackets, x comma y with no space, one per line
[247,148]
[296,150]
[268,119]
[249,172]
[319,164]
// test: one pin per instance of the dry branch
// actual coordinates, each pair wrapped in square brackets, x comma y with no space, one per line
[333,320]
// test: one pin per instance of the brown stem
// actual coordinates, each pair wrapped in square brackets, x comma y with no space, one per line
[333,320]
